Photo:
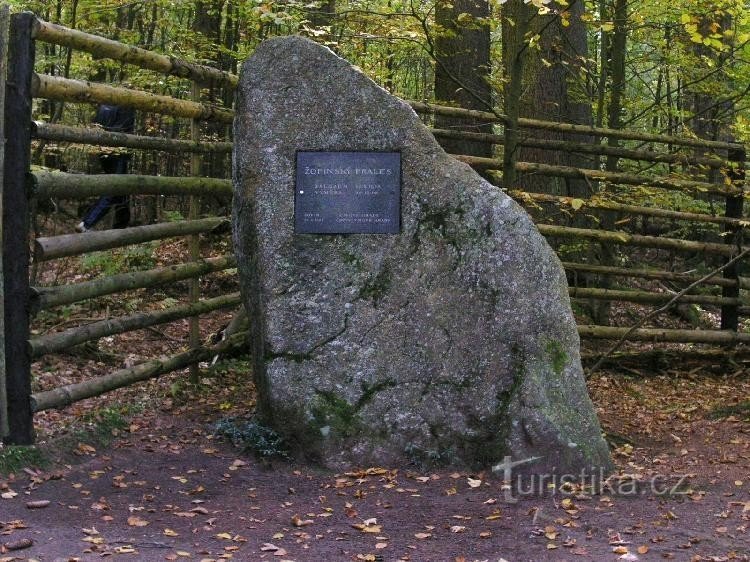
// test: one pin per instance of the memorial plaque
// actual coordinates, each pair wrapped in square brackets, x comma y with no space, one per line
[348,193]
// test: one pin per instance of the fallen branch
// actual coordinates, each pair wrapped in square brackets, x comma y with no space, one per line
[666,306]
[65,395]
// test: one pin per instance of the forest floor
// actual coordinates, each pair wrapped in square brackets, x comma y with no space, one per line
[140,473]
[160,485]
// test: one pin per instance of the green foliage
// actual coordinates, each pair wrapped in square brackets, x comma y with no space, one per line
[15,458]
[106,419]
[173,216]
[101,425]
[741,410]
[252,437]
[111,262]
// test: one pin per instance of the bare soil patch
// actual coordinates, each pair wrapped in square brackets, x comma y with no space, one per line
[167,489]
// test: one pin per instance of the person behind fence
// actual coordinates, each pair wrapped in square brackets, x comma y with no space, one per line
[113,118]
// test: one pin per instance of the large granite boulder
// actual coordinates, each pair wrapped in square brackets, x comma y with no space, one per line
[451,342]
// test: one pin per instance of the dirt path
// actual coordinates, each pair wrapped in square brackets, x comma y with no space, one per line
[166,489]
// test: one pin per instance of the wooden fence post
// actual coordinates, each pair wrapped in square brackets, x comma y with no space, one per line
[194,336]
[730,313]
[4,29]
[15,226]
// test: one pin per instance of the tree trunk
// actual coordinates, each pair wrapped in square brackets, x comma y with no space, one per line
[462,69]
[553,88]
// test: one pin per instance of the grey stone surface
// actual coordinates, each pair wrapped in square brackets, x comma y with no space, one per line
[452,342]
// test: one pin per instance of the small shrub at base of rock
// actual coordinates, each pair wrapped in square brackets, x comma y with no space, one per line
[252,437]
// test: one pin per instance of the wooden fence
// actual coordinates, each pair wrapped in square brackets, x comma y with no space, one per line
[18,404]
[701,156]
[21,186]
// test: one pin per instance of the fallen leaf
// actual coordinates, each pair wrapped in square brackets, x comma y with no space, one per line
[368,526]
[224,536]
[497,514]
[473,483]
[19,544]
[297,521]
[422,536]
[171,533]
[134,521]
[93,540]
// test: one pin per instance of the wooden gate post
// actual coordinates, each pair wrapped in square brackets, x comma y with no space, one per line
[730,313]
[15,226]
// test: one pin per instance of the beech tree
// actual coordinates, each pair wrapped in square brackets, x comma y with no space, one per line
[462,68]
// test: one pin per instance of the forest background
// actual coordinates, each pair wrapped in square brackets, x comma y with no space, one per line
[678,67]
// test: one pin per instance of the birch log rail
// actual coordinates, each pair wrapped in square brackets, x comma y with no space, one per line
[64,395]
[623,238]
[79,186]
[53,247]
[590,148]
[645,297]
[653,274]
[487,117]
[53,343]
[46,297]
[106,48]
[66,89]
[654,335]
[100,137]
[596,203]
[670,183]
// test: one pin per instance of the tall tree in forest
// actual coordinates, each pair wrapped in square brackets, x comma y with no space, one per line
[711,39]
[545,50]
[462,68]
[617,72]
[321,14]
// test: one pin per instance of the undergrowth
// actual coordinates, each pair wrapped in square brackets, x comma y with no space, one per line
[741,410]
[251,437]
[16,457]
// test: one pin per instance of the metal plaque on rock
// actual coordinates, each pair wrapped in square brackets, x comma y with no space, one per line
[348,193]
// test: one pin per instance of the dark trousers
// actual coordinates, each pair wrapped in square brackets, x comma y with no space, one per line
[111,164]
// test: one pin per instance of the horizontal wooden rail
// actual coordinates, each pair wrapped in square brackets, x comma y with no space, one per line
[47,297]
[106,48]
[100,137]
[593,148]
[625,239]
[80,186]
[654,335]
[65,395]
[660,357]
[60,341]
[488,117]
[525,197]
[644,297]
[617,178]
[53,247]
[653,274]
[65,89]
